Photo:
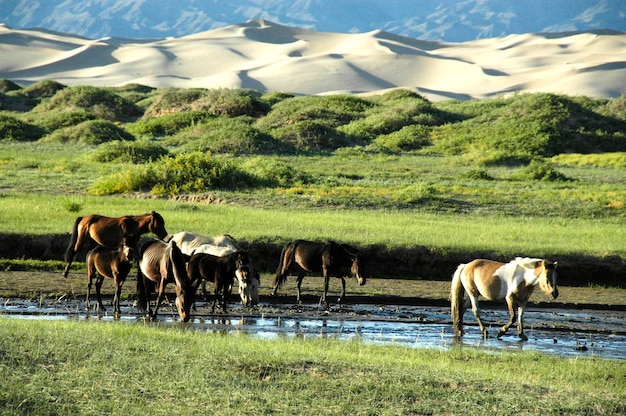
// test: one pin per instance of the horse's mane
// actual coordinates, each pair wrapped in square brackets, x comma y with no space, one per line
[527,262]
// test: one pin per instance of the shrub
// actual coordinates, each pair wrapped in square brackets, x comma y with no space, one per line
[129,152]
[221,101]
[43,89]
[55,120]
[413,137]
[539,170]
[235,136]
[168,124]
[311,135]
[185,173]
[89,132]
[101,102]
[12,129]
[275,173]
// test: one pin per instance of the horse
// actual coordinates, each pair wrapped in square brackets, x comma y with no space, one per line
[161,263]
[513,282]
[105,262]
[111,232]
[220,270]
[328,258]
[191,243]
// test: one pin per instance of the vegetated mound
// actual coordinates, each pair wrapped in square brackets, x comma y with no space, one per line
[89,132]
[101,102]
[6,86]
[13,129]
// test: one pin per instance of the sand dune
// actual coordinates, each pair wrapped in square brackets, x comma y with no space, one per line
[269,57]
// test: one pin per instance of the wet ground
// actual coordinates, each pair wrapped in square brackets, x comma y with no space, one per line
[576,332]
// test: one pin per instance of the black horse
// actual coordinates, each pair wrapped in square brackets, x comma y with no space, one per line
[221,270]
[329,258]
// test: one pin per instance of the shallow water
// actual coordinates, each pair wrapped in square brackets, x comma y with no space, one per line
[568,333]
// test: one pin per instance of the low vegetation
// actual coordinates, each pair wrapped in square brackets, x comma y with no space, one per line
[103,368]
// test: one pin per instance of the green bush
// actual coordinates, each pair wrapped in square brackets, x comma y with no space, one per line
[42,89]
[101,102]
[12,129]
[235,136]
[273,173]
[311,135]
[185,173]
[89,132]
[142,151]
[539,170]
[51,121]
[408,138]
[220,101]
[168,124]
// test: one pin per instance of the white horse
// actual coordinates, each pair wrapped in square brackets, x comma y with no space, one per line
[191,243]
[513,281]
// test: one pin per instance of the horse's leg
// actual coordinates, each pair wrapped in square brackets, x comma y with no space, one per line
[99,281]
[160,297]
[326,283]
[511,305]
[90,273]
[520,323]
[476,310]
[70,253]
[298,285]
[343,289]
[118,292]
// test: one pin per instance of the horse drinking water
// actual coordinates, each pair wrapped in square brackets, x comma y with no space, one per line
[161,263]
[111,232]
[329,258]
[191,243]
[105,262]
[220,270]
[513,281]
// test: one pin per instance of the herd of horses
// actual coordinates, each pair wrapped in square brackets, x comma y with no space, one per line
[189,260]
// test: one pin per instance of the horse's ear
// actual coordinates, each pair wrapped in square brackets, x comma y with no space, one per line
[555,264]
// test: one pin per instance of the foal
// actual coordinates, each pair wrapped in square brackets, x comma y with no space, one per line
[105,262]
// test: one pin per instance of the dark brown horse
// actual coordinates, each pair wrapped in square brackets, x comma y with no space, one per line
[221,271]
[329,258]
[111,232]
[161,263]
[105,262]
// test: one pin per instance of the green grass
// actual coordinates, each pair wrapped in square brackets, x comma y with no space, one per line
[102,368]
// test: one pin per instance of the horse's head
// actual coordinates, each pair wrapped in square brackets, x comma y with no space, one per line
[547,278]
[127,253]
[157,225]
[245,277]
[184,289]
[357,265]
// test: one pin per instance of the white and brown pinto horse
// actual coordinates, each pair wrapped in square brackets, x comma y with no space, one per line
[248,281]
[513,282]
[161,263]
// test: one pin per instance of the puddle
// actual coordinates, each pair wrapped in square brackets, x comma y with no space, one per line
[568,333]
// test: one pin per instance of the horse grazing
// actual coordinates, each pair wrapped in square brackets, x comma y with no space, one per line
[221,270]
[191,243]
[513,281]
[313,257]
[105,262]
[112,232]
[161,263]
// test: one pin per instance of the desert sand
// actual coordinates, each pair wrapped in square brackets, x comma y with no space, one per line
[269,57]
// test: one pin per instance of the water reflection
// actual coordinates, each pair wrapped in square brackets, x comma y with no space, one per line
[566,332]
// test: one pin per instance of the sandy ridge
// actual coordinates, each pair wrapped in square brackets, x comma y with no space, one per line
[269,57]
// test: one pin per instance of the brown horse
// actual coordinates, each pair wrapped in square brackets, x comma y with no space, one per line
[161,263]
[221,271]
[513,281]
[111,232]
[327,258]
[105,262]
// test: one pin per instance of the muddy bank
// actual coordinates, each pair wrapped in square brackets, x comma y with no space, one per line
[404,262]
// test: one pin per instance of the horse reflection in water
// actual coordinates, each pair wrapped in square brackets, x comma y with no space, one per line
[112,232]
[329,258]
[161,263]
[513,282]
[247,283]
[105,262]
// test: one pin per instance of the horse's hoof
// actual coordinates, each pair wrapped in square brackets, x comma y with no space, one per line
[523,337]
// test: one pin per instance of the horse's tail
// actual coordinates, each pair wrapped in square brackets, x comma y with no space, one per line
[286,256]
[457,295]
[70,252]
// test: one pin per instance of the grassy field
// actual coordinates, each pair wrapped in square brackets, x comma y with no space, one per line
[99,368]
